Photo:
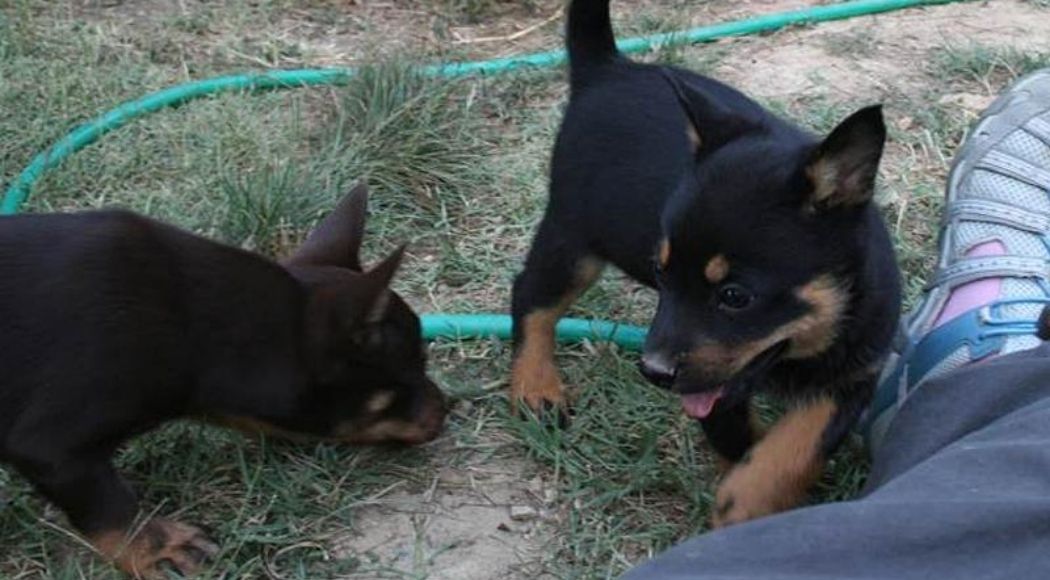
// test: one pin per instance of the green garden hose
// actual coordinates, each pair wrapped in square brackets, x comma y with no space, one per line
[436,325]
[498,326]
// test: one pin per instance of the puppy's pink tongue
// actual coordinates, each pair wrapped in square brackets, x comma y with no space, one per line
[699,405]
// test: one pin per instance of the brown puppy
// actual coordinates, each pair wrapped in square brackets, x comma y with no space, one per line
[114,324]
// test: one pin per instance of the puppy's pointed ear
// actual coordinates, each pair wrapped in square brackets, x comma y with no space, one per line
[710,124]
[374,296]
[843,167]
[336,240]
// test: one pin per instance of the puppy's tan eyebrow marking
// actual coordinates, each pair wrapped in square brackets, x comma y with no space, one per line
[379,401]
[663,255]
[717,269]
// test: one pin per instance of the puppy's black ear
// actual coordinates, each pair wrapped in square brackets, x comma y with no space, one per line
[843,167]
[709,123]
[364,300]
[377,284]
[336,241]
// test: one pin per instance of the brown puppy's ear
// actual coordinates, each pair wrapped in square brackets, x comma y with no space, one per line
[709,124]
[336,240]
[842,169]
[377,281]
[364,300]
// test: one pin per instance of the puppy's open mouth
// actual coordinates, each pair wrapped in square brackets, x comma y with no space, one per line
[699,405]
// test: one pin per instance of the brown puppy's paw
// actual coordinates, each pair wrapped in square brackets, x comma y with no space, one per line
[159,545]
[747,493]
[741,497]
[537,386]
[776,474]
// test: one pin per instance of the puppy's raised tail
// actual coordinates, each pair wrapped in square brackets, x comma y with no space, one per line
[590,37]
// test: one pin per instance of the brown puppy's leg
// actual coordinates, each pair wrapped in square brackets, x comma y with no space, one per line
[779,470]
[731,431]
[102,507]
[542,294]
[145,551]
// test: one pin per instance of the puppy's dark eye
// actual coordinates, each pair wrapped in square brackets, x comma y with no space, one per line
[734,297]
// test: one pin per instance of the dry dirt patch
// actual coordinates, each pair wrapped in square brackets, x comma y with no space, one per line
[895,56]
[475,522]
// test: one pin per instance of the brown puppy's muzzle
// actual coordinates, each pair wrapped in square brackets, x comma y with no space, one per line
[425,424]
[431,417]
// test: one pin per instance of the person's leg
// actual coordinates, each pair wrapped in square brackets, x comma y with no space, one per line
[959,486]
[960,489]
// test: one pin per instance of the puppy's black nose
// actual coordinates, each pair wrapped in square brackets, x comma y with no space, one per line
[658,369]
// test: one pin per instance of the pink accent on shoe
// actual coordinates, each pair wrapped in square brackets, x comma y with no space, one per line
[973,294]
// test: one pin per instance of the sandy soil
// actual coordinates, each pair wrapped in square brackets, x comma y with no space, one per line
[475,522]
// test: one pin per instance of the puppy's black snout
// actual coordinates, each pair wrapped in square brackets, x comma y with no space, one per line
[658,369]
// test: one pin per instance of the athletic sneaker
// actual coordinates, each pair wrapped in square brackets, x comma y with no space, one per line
[993,274]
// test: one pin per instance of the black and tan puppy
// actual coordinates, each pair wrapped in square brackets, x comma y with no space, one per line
[774,269]
[113,324]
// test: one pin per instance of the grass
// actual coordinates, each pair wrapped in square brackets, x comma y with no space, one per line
[459,170]
[620,453]
[265,210]
[475,11]
[986,66]
[258,496]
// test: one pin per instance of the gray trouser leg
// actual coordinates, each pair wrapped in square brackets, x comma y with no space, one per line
[960,489]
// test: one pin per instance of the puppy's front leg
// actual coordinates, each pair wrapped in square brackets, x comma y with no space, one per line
[778,472]
[730,431]
[102,507]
